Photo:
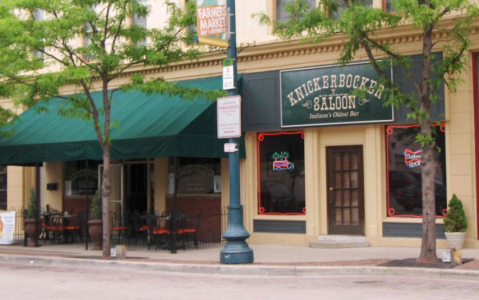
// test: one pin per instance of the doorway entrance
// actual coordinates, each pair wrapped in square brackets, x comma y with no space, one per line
[345,190]
[136,187]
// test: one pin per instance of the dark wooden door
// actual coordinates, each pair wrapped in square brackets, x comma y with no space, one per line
[345,190]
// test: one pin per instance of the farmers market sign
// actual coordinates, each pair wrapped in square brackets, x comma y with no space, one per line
[324,96]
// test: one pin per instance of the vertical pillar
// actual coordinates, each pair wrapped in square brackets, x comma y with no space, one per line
[236,250]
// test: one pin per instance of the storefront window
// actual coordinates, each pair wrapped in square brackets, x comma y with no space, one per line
[75,182]
[3,188]
[195,175]
[281,181]
[404,184]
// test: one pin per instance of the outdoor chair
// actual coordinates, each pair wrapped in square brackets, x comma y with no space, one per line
[178,221]
[76,225]
[158,229]
[116,227]
[192,232]
[54,227]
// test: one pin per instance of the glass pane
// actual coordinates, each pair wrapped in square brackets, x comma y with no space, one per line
[281,174]
[346,216]
[346,179]
[354,198]
[338,198]
[354,179]
[195,175]
[346,162]
[355,216]
[354,162]
[346,197]
[337,180]
[282,15]
[404,174]
[337,163]
[339,218]
[75,181]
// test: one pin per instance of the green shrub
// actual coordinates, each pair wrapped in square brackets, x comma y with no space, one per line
[96,206]
[455,220]
[32,210]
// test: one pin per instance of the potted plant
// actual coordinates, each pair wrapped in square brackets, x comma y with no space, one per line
[31,220]
[455,223]
[95,224]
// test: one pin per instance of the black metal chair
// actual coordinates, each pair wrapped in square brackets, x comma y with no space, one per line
[76,226]
[158,228]
[116,227]
[193,231]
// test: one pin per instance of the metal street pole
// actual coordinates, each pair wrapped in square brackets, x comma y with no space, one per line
[236,250]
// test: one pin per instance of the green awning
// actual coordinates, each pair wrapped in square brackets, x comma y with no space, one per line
[150,126]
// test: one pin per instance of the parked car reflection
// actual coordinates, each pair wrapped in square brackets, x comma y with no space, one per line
[276,197]
[410,196]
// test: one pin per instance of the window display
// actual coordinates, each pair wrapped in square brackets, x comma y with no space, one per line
[281,180]
[404,184]
[75,182]
[196,176]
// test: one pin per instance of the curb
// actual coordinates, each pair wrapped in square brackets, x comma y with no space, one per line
[243,270]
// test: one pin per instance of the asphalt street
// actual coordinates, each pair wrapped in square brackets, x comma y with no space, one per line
[20,281]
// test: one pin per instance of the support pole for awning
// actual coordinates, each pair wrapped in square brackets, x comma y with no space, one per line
[175,206]
[86,204]
[37,188]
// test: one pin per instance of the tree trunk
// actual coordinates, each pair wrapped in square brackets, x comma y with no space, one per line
[428,174]
[428,164]
[106,191]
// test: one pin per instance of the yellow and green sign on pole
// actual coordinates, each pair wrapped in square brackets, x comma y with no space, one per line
[212,23]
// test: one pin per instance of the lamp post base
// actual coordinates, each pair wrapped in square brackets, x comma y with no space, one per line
[236,252]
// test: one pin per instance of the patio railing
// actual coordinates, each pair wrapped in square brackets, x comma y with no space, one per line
[210,225]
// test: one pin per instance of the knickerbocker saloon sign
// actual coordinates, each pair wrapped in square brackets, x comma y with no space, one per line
[324,96]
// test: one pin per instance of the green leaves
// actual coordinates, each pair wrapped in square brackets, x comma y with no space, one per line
[455,220]
[85,45]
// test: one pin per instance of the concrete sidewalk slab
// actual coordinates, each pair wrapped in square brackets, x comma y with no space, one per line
[270,260]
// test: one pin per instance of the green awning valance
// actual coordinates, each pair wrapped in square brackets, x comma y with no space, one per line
[150,126]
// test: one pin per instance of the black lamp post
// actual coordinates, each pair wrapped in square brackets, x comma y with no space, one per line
[236,250]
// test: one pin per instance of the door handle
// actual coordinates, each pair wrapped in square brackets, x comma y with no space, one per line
[331,195]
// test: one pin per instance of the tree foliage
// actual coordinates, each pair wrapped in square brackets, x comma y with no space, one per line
[42,59]
[444,26]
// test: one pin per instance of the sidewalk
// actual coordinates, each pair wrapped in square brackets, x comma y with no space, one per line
[270,260]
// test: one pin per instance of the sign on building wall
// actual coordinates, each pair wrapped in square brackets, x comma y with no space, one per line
[212,23]
[324,96]
[7,227]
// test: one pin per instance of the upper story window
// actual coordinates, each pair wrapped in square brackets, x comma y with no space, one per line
[280,7]
[388,6]
[87,39]
[193,27]
[342,5]
[38,15]
[141,22]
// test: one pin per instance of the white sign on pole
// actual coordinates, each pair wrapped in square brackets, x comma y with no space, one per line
[228,74]
[7,227]
[229,117]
